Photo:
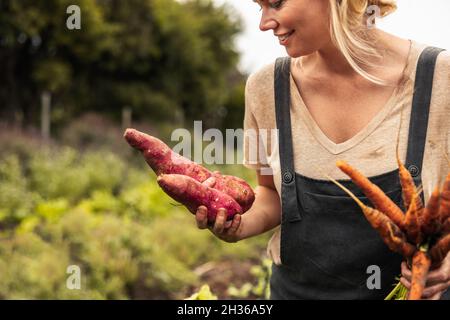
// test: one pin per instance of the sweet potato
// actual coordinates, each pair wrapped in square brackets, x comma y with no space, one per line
[235,187]
[193,194]
[164,161]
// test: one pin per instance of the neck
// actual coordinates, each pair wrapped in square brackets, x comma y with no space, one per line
[328,60]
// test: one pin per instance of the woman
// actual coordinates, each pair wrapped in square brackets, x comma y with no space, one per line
[346,92]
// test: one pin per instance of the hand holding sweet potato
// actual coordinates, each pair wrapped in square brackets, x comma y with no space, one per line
[229,231]
[190,183]
[193,194]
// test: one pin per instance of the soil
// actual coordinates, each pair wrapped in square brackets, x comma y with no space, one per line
[220,275]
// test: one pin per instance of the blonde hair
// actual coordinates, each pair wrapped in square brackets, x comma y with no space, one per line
[350,35]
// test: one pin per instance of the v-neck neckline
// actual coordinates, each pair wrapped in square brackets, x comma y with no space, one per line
[322,138]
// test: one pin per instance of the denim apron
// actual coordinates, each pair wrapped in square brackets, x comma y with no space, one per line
[328,248]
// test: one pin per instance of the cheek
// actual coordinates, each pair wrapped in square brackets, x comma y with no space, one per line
[307,41]
[314,32]
[319,25]
[315,19]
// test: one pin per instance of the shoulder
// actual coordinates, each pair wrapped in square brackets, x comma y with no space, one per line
[443,63]
[261,81]
[441,80]
[442,76]
[443,59]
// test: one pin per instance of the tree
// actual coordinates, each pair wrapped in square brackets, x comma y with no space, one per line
[163,58]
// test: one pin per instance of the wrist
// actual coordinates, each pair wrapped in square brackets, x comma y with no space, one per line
[242,232]
[248,227]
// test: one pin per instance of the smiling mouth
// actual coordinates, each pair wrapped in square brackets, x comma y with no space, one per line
[283,37]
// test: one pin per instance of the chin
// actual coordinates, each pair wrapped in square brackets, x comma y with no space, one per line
[298,51]
[295,52]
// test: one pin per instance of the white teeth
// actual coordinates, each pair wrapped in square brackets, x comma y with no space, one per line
[282,38]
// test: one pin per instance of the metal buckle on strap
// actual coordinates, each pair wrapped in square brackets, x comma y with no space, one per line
[414,170]
[288,177]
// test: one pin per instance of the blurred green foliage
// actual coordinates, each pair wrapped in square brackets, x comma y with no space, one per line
[169,61]
[85,198]
[203,294]
[61,207]
[261,289]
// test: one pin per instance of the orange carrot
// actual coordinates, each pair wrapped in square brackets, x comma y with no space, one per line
[379,199]
[412,225]
[399,243]
[409,190]
[446,226]
[420,266]
[390,233]
[430,223]
[439,251]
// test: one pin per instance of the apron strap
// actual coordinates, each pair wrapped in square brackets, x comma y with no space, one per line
[289,205]
[420,111]
[417,128]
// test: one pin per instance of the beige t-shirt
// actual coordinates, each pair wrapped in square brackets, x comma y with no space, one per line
[372,150]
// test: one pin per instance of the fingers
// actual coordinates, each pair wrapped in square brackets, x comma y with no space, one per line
[406,272]
[433,291]
[405,282]
[437,296]
[437,282]
[219,225]
[234,225]
[222,228]
[201,217]
[436,277]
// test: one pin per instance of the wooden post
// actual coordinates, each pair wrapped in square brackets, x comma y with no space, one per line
[45,114]
[126,117]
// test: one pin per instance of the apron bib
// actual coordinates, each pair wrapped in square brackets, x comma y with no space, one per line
[327,245]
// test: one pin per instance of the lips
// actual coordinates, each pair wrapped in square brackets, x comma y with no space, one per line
[283,37]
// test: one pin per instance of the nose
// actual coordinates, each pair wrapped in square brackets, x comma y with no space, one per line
[267,21]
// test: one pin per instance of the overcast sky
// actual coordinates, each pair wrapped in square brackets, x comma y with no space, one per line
[424,21]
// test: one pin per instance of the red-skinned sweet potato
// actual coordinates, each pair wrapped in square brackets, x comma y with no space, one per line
[164,161]
[233,186]
[193,194]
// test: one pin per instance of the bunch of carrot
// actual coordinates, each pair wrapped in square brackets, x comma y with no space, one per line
[421,235]
[190,183]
